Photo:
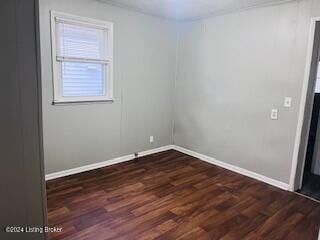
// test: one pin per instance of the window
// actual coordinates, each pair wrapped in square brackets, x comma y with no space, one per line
[82,51]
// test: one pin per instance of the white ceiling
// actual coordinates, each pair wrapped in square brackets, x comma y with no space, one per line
[189,9]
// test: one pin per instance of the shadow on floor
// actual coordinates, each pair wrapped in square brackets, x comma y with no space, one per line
[311,185]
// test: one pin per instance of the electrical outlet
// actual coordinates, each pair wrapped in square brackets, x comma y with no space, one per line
[274,114]
[151,139]
[287,102]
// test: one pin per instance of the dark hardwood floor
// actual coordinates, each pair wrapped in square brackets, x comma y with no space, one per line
[171,195]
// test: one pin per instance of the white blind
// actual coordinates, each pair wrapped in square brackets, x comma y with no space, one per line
[83,79]
[81,42]
[82,51]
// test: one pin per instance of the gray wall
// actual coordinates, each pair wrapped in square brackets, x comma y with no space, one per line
[144,70]
[22,180]
[232,71]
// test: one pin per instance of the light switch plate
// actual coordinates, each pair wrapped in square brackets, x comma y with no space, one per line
[151,139]
[274,114]
[287,102]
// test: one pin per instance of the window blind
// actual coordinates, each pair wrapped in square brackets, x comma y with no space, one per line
[83,79]
[82,51]
[79,42]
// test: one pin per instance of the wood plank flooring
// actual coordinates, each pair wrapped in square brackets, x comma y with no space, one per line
[171,195]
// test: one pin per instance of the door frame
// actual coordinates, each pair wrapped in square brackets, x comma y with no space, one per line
[304,119]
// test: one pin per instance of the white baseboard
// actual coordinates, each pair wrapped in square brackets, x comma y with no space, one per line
[155,150]
[200,156]
[105,163]
[233,168]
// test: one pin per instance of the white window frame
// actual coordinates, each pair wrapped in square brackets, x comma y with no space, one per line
[58,97]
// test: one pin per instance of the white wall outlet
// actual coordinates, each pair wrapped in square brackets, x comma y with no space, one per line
[287,102]
[274,114]
[151,139]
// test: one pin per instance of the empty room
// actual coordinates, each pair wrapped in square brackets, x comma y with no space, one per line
[168,119]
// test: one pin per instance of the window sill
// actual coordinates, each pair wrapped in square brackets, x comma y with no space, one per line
[81,102]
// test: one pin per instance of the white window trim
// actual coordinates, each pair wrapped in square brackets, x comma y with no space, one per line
[58,97]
